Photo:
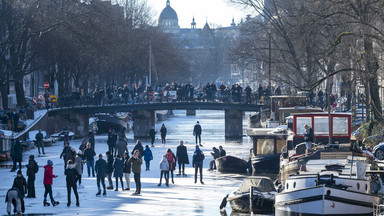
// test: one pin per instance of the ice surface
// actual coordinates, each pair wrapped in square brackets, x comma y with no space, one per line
[182,198]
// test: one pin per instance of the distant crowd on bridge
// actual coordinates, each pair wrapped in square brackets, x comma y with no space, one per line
[174,92]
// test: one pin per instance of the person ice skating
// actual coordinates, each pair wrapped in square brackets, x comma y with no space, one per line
[118,172]
[82,147]
[147,157]
[16,154]
[127,170]
[79,166]
[21,184]
[136,169]
[91,139]
[71,180]
[138,147]
[215,154]
[39,141]
[66,154]
[14,197]
[48,181]
[164,170]
[172,163]
[222,152]
[101,171]
[152,134]
[197,163]
[32,169]
[109,170]
[197,132]
[182,157]
[121,145]
[308,136]
[112,139]
[163,133]
[89,155]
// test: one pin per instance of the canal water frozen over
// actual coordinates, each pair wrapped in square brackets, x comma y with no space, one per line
[182,198]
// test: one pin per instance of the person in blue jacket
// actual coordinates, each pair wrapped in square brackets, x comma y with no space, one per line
[197,163]
[147,157]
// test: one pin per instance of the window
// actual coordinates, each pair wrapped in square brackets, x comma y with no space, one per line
[340,126]
[321,126]
[300,122]
[265,146]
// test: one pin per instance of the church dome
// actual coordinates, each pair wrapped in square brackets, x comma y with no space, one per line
[168,21]
[168,13]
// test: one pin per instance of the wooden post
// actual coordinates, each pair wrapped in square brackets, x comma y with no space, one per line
[251,200]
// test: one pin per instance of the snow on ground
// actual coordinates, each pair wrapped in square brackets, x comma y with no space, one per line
[182,198]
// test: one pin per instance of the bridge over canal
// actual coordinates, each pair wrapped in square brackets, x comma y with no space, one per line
[77,118]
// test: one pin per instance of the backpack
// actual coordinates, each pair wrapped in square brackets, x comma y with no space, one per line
[36,168]
[199,156]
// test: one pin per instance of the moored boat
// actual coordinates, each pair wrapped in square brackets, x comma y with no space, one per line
[263,197]
[231,164]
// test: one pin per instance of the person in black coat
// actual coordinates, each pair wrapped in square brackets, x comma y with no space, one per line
[139,147]
[39,141]
[32,169]
[118,172]
[112,139]
[182,157]
[197,132]
[222,152]
[109,170]
[71,179]
[21,184]
[16,154]
[163,133]
[101,171]
[91,139]
[152,134]
[89,155]
[66,154]
[127,169]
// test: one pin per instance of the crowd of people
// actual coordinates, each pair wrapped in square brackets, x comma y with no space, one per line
[117,164]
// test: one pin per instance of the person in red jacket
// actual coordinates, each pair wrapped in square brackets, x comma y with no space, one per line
[48,180]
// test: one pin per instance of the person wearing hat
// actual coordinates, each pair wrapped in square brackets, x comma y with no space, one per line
[152,134]
[21,184]
[197,132]
[48,181]
[71,180]
[79,166]
[32,169]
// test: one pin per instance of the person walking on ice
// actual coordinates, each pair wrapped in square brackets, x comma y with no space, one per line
[101,172]
[136,169]
[197,132]
[197,163]
[48,181]
[164,170]
[182,157]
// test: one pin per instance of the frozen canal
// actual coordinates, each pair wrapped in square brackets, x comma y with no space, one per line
[182,198]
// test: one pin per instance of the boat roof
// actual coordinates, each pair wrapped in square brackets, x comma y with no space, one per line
[322,114]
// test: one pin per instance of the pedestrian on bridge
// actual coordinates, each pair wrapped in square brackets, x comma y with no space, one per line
[197,132]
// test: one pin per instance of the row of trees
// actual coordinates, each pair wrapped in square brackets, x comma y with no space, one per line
[81,43]
[302,40]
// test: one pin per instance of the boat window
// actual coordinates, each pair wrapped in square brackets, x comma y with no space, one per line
[321,126]
[294,184]
[366,187]
[287,186]
[279,145]
[300,122]
[265,146]
[340,126]
[358,186]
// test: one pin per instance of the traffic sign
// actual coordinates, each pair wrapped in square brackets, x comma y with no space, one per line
[46,85]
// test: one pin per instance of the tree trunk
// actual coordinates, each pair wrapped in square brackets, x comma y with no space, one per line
[20,96]
[4,96]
